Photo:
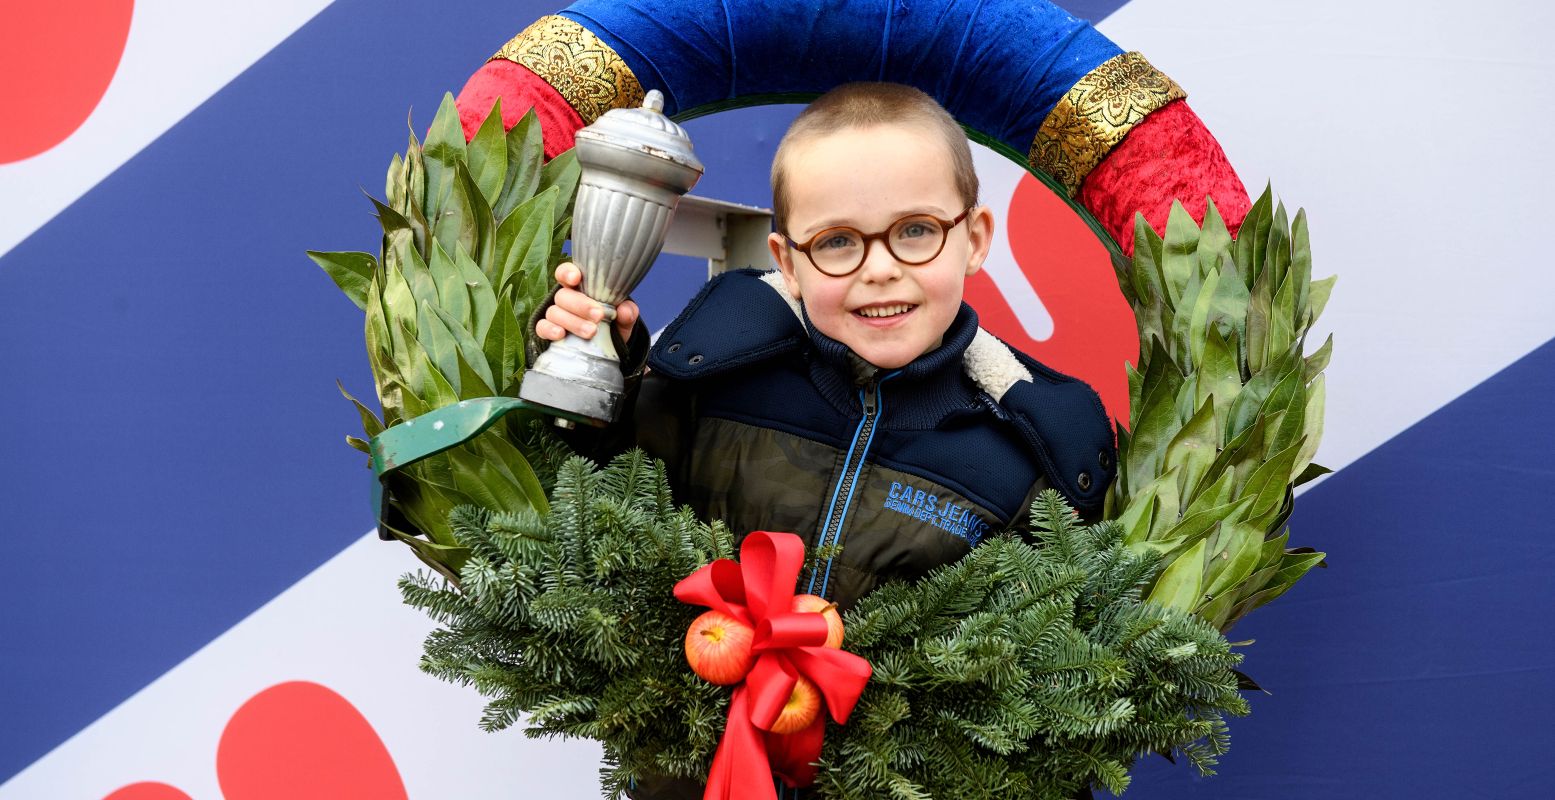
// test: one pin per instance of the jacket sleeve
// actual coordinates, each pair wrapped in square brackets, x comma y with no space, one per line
[657,415]
[1068,430]
[664,425]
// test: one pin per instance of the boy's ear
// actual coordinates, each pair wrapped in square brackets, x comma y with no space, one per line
[783,256]
[979,226]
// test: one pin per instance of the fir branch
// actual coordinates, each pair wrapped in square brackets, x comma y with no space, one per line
[1097,678]
[1024,670]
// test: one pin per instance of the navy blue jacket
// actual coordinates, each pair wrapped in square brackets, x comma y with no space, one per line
[768,424]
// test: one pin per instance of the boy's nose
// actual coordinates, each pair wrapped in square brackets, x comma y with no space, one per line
[879,265]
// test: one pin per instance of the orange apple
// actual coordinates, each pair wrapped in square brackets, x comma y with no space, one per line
[827,609]
[800,710]
[718,648]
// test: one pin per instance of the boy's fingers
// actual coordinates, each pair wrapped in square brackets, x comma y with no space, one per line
[626,317]
[568,274]
[579,304]
[549,330]
[570,322]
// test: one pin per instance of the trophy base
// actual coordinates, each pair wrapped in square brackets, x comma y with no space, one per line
[576,399]
[578,378]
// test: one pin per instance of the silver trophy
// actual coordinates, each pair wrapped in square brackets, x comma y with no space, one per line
[636,163]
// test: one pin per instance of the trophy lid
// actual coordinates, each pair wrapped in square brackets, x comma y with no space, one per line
[644,132]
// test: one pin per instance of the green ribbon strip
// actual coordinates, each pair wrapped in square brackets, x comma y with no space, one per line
[442,429]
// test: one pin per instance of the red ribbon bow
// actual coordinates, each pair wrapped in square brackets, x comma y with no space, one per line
[759,591]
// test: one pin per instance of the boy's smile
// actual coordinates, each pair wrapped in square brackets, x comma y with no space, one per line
[884,314]
[887,312]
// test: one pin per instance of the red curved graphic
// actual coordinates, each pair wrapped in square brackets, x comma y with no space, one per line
[57,58]
[302,741]
[295,740]
[148,790]
[1093,326]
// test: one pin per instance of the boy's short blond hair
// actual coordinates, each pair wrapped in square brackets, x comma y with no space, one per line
[860,105]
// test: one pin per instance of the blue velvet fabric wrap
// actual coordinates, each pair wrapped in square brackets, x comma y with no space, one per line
[998,66]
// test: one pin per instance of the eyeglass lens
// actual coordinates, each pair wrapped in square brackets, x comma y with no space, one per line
[911,240]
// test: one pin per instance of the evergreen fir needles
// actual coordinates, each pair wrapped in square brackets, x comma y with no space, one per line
[1027,669]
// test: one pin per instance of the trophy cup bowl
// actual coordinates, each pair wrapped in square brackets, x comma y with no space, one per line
[636,164]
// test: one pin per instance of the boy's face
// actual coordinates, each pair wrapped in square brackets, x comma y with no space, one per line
[887,312]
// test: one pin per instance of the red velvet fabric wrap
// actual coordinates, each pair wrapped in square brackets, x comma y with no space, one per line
[1169,155]
[520,91]
[759,591]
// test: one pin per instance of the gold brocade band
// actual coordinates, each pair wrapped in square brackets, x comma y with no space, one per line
[1095,114]
[584,70]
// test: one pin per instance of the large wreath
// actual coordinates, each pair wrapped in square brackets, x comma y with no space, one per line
[1044,661]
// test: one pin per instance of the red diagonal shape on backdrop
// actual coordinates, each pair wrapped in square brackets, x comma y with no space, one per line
[1093,326]
[296,740]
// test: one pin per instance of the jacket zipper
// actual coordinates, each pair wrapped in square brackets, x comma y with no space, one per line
[842,497]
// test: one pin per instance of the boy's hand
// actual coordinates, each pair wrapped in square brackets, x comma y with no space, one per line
[577,313]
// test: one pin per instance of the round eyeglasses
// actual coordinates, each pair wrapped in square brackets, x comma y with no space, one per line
[913,239]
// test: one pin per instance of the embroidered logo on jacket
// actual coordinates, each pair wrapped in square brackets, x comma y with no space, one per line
[951,517]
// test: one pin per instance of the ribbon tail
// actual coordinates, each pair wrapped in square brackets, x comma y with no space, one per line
[794,755]
[740,768]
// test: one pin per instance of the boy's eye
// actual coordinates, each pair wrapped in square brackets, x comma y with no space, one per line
[836,241]
[914,230]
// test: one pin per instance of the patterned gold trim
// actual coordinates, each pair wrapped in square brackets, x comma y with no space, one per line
[1096,113]
[589,75]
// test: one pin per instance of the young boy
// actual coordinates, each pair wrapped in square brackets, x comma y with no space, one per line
[850,397]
